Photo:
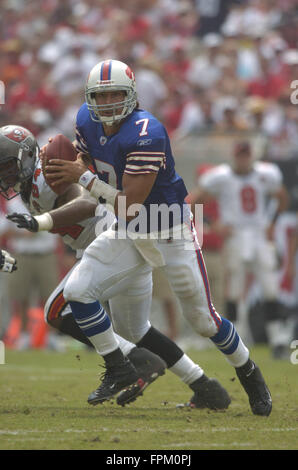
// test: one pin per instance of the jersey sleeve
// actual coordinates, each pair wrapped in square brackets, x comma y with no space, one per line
[147,150]
[272,177]
[80,143]
[213,180]
[140,161]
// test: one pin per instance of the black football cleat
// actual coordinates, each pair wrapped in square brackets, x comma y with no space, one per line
[115,379]
[209,393]
[149,367]
[254,384]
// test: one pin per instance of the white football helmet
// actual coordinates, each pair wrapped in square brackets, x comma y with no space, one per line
[111,75]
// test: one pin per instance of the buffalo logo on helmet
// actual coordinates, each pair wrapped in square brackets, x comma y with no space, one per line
[129,73]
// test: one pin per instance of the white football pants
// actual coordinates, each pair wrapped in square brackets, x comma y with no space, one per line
[248,251]
[111,267]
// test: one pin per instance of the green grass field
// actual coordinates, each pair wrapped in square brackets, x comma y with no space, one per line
[43,406]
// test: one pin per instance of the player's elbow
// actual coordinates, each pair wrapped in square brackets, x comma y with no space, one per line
[86,207]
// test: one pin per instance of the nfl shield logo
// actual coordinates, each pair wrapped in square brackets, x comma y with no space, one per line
[103,140]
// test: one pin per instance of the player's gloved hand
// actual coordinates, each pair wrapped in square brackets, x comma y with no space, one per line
[7,262]
[26,221]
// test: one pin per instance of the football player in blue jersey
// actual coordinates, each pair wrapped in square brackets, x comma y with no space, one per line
[21,173]
[135,176]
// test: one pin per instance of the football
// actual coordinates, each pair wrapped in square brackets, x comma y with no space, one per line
[60,147]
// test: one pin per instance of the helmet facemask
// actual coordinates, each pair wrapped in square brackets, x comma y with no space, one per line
[9,178]
[120,109]
[111,76]
[17,166]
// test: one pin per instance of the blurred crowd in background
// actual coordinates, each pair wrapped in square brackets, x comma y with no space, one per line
[202,67]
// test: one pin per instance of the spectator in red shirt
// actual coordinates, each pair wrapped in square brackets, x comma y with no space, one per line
[267,85]
[34,90]
[179,62]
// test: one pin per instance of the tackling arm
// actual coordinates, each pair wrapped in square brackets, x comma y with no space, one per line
[72,207]
[136,188]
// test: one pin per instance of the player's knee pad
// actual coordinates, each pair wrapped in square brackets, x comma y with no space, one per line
[131,332]
[72,291]
[131,316]
[200,318]
[75,292]
[54,307]
[183,281]
[140,288]
[203,324]
[78,287]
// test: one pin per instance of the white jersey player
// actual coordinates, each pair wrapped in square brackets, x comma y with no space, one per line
[74,219]
[243,191]
[77,236]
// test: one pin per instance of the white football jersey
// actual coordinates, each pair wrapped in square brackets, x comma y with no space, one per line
[242,199]
[78,236]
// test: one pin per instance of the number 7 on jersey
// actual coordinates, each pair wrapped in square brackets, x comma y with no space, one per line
[144,126]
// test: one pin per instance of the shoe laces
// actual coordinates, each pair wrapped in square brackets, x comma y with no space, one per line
[105,374]
[108,371]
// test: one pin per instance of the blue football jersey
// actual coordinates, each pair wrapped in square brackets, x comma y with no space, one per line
[141,146]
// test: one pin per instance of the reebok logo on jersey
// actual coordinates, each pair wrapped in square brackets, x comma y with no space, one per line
[142,142]
[103,140]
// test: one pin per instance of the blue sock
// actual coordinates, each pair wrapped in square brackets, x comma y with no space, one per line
[91,318]
[227,338]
